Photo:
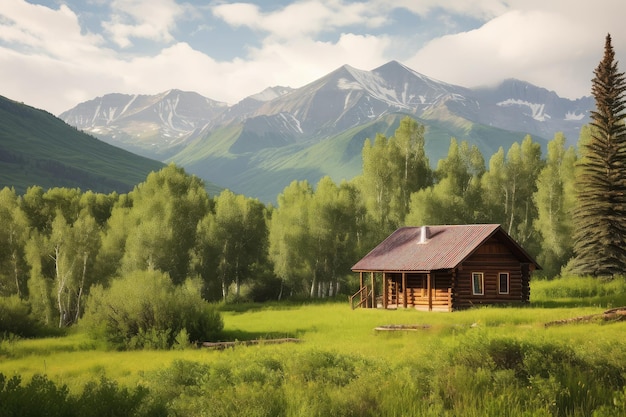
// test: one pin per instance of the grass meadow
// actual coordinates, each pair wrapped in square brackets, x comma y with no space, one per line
[487,361]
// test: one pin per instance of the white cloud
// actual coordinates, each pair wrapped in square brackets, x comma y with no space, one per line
[40,30]
[142,19]
[238,14]
[301,18]
[555,50]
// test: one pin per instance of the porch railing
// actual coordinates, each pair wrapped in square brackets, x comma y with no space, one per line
[364,295]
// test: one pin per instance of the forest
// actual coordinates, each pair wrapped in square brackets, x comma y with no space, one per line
[61,244]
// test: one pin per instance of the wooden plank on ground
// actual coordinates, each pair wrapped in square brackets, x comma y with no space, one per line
[402,327]
[614,314]
[224,345]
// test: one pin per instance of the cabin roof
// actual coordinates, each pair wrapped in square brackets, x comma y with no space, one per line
[446,247]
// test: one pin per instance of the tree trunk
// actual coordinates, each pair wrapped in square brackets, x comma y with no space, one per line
[60,287]
[224,289]
[16,273]
[80,288]
[237,283]
[313,282]
[280,293]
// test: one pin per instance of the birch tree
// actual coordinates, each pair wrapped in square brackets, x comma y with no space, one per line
[455,197]
[508,187]
[555,198]
[236,236]
[13,237]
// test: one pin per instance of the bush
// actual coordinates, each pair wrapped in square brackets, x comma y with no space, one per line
[42,397]
[503,376]
[146,310]
[15,318]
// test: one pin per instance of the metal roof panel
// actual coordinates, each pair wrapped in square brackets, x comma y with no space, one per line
[446,247]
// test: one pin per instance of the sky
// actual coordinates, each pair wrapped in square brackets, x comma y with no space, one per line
[55,54]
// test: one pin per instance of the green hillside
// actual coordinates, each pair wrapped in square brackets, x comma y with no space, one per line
[36,148]
[265,173]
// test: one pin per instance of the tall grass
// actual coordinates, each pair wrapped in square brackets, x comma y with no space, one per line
[580,291]
[489,361]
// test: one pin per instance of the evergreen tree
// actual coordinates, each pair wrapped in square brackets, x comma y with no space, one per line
[600,215]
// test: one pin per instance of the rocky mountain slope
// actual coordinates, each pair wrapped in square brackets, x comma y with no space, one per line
[262,143]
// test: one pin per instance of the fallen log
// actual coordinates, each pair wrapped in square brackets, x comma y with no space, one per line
[224,345]
[614,314]
[401,327]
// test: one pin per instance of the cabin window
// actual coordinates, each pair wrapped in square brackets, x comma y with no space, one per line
[503,282]
[478,283]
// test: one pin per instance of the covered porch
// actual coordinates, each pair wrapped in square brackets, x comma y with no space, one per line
[424,290]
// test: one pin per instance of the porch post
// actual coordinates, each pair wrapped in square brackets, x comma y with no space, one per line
[385,290]
[373,290]
[363,297]
[429,289]
[404,290]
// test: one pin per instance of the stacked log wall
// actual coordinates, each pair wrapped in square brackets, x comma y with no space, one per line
[491,259]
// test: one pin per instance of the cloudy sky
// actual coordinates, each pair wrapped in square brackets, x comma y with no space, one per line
[55,54]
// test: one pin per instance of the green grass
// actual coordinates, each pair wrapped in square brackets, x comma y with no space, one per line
[330,327]
[487,361]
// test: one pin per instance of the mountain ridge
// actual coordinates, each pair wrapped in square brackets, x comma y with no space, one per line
[245,145]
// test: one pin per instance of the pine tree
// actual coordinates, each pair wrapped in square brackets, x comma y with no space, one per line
[600,215]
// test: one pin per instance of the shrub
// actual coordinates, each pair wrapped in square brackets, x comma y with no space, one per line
[31,399]
[245,388]
[506,376]
[15,318]
[146,310]
[42,397]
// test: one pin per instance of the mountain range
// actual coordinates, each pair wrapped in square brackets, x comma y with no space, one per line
[258,146]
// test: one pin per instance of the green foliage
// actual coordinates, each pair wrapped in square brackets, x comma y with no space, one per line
[508,188]
[32,399]
[161,229]
[146,310]
[508,376]
[13,236]
[600,215]
[288,235]
[393,169]
[555,200]
[231,242]
[482,376]
[480,362]
[16,318]
[313,236]
[42,397]
[456,196]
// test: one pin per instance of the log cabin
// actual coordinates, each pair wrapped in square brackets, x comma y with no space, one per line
[444,268]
